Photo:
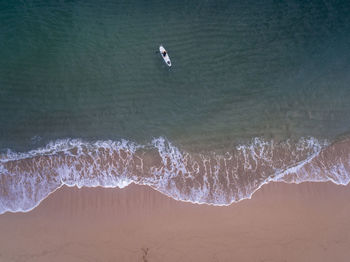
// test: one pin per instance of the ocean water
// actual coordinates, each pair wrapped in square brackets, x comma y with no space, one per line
[258,92]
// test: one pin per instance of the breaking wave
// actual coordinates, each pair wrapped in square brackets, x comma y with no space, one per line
[219,179]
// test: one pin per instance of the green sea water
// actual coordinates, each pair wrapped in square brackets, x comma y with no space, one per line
[257,92]
[241,69]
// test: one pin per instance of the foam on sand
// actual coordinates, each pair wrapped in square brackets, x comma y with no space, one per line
[218,179]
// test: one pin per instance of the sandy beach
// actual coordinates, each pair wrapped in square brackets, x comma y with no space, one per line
[282,222]
[108,154]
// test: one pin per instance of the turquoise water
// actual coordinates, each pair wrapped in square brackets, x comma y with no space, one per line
[258,92]
[90,70]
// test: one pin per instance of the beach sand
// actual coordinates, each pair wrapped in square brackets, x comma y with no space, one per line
[282,222]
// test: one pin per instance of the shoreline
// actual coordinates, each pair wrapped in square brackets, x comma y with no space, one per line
[214,179]
[304,222]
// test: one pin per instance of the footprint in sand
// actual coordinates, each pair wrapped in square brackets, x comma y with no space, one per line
[145,252]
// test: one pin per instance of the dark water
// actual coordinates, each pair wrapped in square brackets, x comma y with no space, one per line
[88,69]
[244,73]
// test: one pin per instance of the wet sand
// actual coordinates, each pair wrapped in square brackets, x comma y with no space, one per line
[282,222]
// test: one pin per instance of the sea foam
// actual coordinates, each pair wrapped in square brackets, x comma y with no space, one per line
[220,179]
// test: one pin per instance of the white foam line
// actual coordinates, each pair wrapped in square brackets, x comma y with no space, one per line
[19,210]
[165,148]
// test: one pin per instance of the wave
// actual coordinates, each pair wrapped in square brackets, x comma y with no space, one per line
[219,179]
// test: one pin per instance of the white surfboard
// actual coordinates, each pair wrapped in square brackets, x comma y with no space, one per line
[165,55]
